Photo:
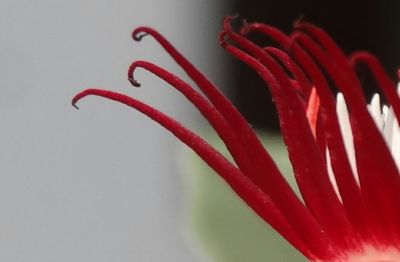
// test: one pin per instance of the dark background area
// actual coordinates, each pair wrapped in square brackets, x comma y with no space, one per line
[355,25]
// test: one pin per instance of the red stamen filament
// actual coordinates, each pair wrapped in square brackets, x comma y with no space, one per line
[245,188]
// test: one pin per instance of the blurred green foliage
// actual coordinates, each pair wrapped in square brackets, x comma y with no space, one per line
[225,227]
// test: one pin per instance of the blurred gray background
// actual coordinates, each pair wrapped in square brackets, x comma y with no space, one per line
[101,183]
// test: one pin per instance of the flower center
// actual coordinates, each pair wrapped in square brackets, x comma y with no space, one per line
[372,254]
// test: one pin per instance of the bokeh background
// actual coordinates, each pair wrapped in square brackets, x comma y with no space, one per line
[106,184]
[99,184]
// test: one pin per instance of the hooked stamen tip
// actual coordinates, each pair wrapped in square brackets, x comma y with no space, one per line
[134,82]
[229,18]
[299,21]
[73,103]
[227,21]
[138,35]
[223,38]
[245,29]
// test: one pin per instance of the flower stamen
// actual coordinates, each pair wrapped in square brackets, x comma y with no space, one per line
[344,152]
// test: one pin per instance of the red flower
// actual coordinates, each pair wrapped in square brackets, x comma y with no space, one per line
[343,151]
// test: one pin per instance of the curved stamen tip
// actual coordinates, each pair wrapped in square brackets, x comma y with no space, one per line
[79,96]
[223,38]
[134,82]
[74,101]
[74,105]
[246,28]
[229,18]
[227,21]
[299,22]
[139,33]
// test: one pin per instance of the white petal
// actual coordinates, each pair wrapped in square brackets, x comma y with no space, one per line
[388,127]
[385,112]
[344,123]
[331,175]
[395,141]
[375,110]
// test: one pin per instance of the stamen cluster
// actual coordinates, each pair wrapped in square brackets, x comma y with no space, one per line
[348,179]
